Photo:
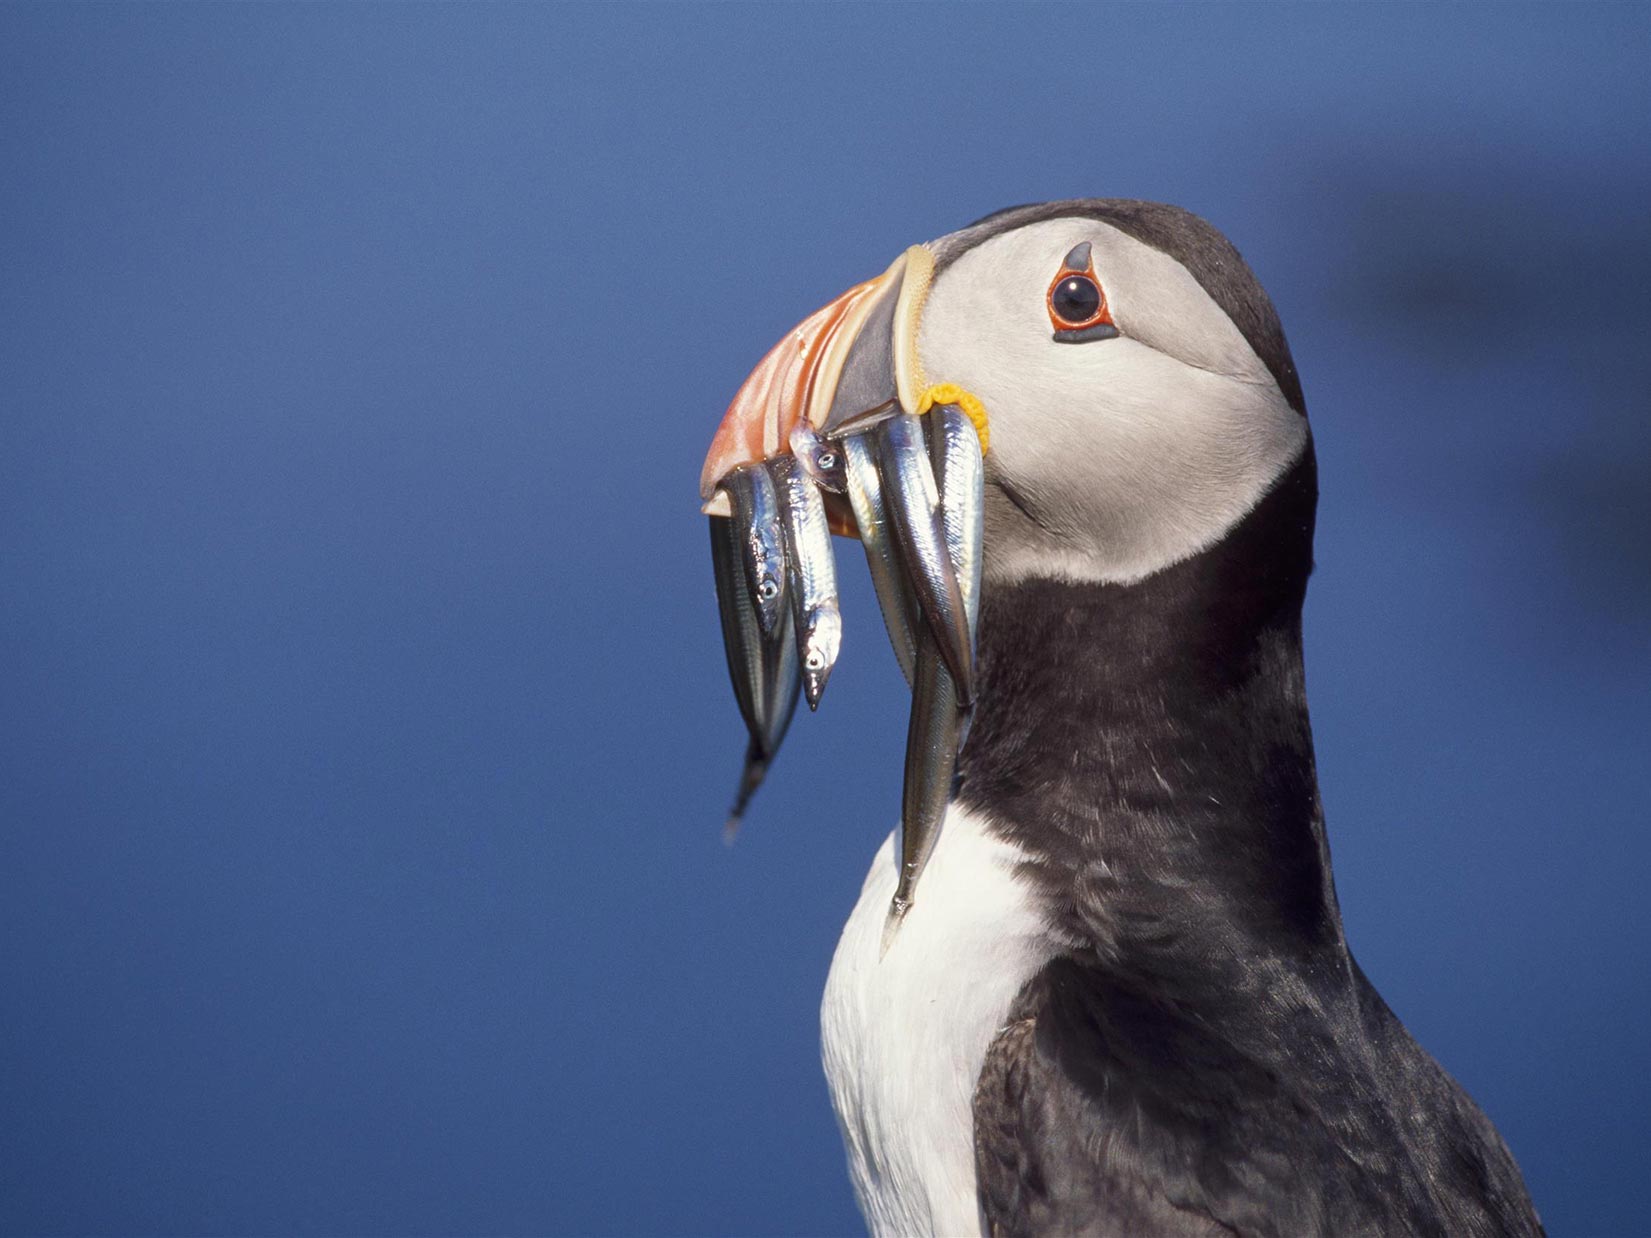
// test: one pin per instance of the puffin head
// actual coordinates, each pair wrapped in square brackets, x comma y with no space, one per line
[1109,395]
[1137,387]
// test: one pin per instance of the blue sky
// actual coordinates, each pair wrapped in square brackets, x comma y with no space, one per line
[364,732]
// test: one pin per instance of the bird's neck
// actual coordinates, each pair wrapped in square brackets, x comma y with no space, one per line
[1148,747]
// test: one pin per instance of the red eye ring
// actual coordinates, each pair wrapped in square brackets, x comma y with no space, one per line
[1075,300]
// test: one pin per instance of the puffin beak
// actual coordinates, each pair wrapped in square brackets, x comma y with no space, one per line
[848,360]
[847,370]
[825,437]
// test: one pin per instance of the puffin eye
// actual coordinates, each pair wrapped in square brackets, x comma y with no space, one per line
[1077,307]
[1075,300]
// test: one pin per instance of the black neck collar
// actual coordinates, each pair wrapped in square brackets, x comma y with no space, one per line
[1148,747]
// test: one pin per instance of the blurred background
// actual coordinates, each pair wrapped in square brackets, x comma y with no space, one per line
[364,731]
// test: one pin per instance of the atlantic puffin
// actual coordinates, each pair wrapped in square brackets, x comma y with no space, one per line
[1106,990]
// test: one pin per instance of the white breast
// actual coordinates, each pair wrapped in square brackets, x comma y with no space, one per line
[904,1035]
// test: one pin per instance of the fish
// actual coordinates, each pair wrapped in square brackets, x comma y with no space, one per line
[813,574]
[960,475]
[913,503]
[761,540]
[931,760]
[821,458]
[894,596]
[916,491]
[762,667]
[940,716]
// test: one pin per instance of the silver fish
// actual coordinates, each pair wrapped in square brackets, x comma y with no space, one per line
[813,568]
[894,598]
[821,458]
[741,640]
[939,717]
[762,544]
[960,474]
[763,668]
[931,759]
[913,503]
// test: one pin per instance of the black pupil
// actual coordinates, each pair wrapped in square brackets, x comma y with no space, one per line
[1076,298]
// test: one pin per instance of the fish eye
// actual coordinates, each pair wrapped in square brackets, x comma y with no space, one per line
[767,589]
[1075,299]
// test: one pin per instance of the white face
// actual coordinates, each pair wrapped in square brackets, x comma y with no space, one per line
[1124,455]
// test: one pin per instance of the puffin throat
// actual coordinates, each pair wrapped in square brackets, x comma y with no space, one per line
[1148,745]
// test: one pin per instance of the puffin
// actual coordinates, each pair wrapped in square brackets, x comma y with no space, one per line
[1097,982]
